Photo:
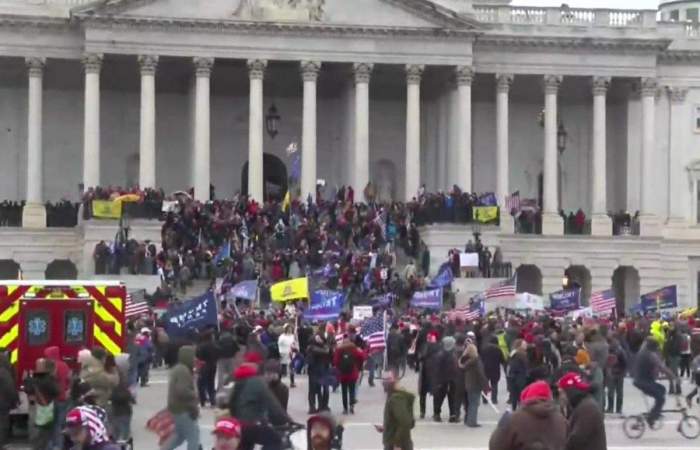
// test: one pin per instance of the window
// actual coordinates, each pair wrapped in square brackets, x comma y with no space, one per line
[74,327]
[691,15]
[38,328]
[674,16]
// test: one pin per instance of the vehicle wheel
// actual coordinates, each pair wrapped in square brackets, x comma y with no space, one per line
[689,427]
[634,427]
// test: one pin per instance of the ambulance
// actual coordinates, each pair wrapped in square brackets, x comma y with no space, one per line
[73,315]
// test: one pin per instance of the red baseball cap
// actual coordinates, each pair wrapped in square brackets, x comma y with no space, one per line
[228,427]
[539,390]
[573,380]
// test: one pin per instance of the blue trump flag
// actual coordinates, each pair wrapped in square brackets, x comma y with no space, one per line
[383,299]
[565,300]
[223,253]
[245,289]
[664,298]
[444,276]
[325,305]
[430,299]
[194,314]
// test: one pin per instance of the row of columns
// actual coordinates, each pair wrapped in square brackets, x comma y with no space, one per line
[360,173]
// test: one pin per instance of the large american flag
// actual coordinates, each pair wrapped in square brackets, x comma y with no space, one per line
[513,202]
[135,308]
[373,333]
[465,313]
[603,302]
[502,289]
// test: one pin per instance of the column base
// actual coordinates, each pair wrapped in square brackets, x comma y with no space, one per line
[601,225]
[676,222]
[34,216]
[552,224]
[649,225]
[507,224]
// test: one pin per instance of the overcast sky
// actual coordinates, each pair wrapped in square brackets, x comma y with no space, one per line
[616,4]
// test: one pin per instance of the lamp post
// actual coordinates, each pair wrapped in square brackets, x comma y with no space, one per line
[562,137]
[272,120]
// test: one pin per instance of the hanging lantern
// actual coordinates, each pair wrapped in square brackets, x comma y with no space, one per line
[272,120]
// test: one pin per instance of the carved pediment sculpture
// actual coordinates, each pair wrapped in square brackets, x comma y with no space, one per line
[280,10]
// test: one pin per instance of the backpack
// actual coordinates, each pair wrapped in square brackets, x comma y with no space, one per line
[347,362]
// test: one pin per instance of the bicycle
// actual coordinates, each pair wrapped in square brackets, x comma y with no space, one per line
[634,426]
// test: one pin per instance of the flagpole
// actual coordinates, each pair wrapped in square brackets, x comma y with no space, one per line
[385,362]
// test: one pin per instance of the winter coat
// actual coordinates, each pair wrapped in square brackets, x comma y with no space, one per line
[442,368]
[208,353]
[586,429]
[539,422]
[63,372]
[517,372]
[100,381]
[474,376]
[398,420]
[318,357]
[492,357]
[358,356]
[251,399]
[181,393]
[8,390]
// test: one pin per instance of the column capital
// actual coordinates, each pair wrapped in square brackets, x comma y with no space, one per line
[414,73]
[362,71]
[35,66]
[310,70]
[92,62]
[504,81]
[600,85]
[552,83]
[256,68]
[148,64]
[677,94]
[202,65]
[464,75]
[648,87]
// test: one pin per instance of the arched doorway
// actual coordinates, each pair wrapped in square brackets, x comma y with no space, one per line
[61,269]
[10,270]
[384,179]
[625,283]
[579,276]
[274,176]
[529,279]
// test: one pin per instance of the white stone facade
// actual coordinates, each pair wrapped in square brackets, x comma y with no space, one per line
[173,93]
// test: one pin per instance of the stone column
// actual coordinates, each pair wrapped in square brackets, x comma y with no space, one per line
[91,145]
[256,72]
[363,72]
[34,212]
[601,224]
[414,72]
[147,142]
[464,76]
[503,83]
[202,128]
[648,221]
[309,73]
[677,206]
[552,223]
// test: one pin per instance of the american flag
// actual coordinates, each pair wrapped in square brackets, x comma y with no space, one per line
[695,331]
[373,333]
[465,313]
[603,302]
[502,290]
[513,202]
[135,308]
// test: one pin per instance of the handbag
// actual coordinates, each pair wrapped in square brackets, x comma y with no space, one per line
[44,414]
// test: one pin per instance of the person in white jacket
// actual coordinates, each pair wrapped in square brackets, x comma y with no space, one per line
[287,345]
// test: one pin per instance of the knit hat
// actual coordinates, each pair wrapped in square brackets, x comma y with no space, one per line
[573,380]
[229,427]
[448,343]
[539,390]
[253,358]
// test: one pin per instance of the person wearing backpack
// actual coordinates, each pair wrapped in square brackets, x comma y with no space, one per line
[615,377]
[347,359]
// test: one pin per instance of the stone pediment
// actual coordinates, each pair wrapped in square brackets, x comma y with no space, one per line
[415,14]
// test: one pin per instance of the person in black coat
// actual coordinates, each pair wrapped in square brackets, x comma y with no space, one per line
[517,371]
[318,357]
[493,359]
[208,353]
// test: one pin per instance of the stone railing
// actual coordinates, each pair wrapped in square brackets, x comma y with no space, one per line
[528,15]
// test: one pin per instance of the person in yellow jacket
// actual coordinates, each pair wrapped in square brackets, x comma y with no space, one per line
[658,332]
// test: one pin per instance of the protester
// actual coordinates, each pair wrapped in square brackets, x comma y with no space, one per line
[182,402]
[649,363]
[227,434]
[586,423]
[536,424]
[207,355]
[63,380]
[615,377]
[226,350]
[348,359]
[320,432]
[443,372]
[493,359]
[8,398]
[87,431]
[122,401]
[517,371]
[318,360]
[287,346]
[398,416]
[272,372]
[42,388]
[475,382]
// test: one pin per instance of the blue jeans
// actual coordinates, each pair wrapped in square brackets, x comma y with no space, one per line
[474,398]
[121,425]
[59,413]
[186,429]
[375,363]
[655,390]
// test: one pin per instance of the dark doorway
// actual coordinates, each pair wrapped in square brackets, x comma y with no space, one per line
[61,269]
[274,176]
[10,270]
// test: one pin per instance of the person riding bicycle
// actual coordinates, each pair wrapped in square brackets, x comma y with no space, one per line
[253,404]
[323,433]
[86,431]
[649,364]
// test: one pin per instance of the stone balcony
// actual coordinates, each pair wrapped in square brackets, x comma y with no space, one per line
[553,16]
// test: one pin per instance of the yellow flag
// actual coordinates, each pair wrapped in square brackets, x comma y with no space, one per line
[287,202]
[285,291]
[106,209]
[485,214]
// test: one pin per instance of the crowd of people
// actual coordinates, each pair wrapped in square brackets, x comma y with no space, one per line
[454,206]
[146,204]
[62,214]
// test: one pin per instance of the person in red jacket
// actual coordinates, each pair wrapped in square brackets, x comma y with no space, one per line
[348,360]
[63,379]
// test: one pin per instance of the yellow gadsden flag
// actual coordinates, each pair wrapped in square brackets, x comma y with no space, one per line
[485,214]
[106,209]
[285,291]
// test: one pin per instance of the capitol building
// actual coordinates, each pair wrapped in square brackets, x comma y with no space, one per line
[591,109]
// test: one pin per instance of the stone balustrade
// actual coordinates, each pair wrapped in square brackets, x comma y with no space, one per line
[530,15]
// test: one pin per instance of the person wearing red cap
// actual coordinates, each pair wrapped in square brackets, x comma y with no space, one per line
[227,434]
[586,429]
[537,423]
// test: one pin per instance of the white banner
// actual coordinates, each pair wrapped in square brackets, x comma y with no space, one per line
[469,260]
[361,312]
